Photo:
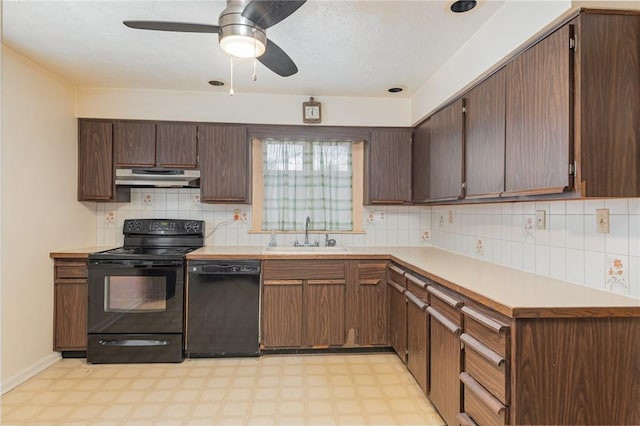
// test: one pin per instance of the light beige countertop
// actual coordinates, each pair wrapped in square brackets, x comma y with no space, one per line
[509,291]
[81,253]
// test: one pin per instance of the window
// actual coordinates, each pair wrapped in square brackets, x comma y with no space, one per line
[307,179]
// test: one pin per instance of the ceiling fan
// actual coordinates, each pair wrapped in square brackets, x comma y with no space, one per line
[242,31]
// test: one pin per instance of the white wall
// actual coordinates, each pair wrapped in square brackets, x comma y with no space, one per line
[40,213]
[515,22]
[240,108]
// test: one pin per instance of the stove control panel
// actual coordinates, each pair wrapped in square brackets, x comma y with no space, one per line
[163,227]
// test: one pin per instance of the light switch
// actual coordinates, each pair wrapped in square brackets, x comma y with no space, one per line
[602,221]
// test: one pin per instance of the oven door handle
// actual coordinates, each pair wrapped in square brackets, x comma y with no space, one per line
[137,263]
[133,342]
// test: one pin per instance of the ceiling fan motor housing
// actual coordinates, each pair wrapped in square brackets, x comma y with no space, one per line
[234,26]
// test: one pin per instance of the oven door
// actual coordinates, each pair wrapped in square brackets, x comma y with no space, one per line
[135,296]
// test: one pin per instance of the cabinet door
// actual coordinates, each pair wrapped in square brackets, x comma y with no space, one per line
[445,166]
[421,157]
[134,144]
[444,371]
[95,161]
[609,110]
[417,341]
[538,118]
[225,165]
[324,302]
[372,303]
[397,321]
[282,313]
[389,167]
[176,145]
[70,316]
[484,138]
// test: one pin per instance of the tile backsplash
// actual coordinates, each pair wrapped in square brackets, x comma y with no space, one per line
[229,224]
[569,247]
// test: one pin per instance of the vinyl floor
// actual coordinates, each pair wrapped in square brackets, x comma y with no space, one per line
[355,389]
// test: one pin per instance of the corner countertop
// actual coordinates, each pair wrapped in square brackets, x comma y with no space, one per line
[509,291]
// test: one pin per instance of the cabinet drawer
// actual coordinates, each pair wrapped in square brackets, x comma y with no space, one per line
[303,269]
[480,405]
[70,270]
[445,304]
[487,328]
[396,275]
[418,286]
[371,272]
[487,367]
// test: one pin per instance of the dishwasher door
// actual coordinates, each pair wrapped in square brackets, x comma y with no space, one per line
[223,309]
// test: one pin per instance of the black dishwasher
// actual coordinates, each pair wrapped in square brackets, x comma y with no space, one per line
[223,308]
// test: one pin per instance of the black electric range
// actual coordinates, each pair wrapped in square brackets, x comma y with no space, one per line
[136,292]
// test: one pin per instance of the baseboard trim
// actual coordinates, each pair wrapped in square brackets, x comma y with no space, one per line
[29,372]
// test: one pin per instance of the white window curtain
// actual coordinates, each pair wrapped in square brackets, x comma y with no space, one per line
[307,179]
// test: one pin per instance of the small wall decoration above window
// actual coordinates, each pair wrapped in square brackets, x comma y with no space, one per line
[311,112]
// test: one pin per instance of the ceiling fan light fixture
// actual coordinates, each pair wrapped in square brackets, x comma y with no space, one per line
[242,46]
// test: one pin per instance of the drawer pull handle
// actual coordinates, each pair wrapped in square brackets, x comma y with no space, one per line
[396,270]
[396,287]
[465,420]
[448,324]
[369,282]
[326,282]
[416,281]
[488,399]
[416,301]
[484,351]
[484,320]
[445,297]
[282,282]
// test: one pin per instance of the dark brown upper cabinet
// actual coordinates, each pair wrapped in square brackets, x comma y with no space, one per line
[225,163]
[607,126]
[446,153]
[176,145]
[388,167]
[95,162]
[484,138]
[421,155]
[539,84]
[147,144]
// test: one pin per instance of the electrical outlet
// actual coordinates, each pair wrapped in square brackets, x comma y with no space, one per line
[602,221]
[450,216]
[541,220]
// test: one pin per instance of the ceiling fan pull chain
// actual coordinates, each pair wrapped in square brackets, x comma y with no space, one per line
[255,56]
[231,92]
[255,75]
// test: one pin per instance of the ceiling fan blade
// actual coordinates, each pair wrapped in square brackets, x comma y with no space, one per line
[172,26]
[266,13]
[277,60]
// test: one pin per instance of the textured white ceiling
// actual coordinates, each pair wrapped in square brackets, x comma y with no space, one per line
[342,48]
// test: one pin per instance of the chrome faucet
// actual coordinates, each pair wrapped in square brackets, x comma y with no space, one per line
[306,231]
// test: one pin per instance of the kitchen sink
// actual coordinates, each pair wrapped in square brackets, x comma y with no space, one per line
[306,250]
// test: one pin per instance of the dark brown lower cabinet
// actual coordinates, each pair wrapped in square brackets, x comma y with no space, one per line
[398,320]
[444,353]
[303,303]
[282,313]
[324,302]
[372,303]
[70,305]
[418,340]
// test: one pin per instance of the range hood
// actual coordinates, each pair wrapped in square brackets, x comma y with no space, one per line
[158,178]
